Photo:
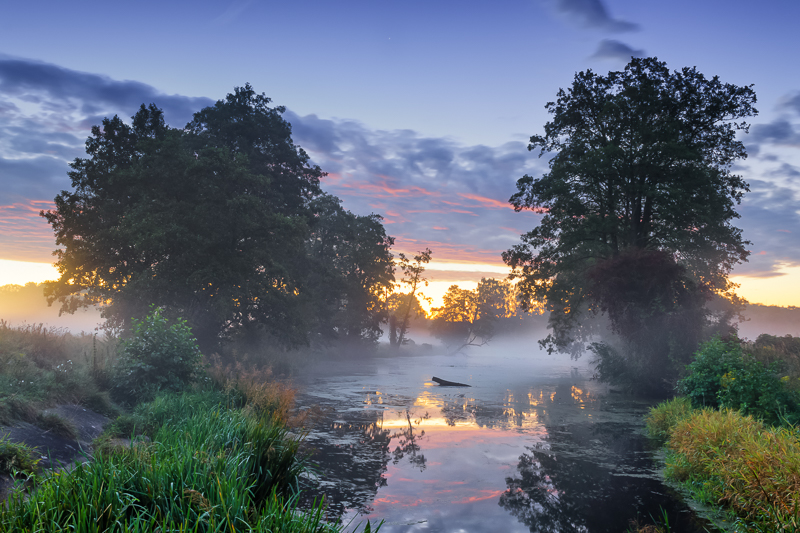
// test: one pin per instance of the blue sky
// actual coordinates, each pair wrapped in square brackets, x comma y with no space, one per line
[420,111]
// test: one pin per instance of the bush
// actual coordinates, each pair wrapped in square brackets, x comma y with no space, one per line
[722,375]
[157,357]
[713,360]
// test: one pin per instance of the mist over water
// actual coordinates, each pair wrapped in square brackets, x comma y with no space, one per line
[535,444]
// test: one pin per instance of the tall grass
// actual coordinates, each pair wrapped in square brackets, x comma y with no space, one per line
[752,468]
[665,416]
[207,468]
[42,366]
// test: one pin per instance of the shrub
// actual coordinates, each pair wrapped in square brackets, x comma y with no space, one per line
[157,357]
[722,375]
[713,360]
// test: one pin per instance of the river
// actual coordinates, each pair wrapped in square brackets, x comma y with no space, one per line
[535,444]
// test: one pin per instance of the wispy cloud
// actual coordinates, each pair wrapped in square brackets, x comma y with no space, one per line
[90,94]
[611,49]
[433,192]
[593,14]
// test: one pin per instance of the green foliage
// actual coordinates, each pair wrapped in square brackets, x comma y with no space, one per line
[723,375]
[785,351]
[17,457]
[665,416]
[208,468]
[726,457]
[640,183]
[350,271]
[208,221]
[157,356]
[714,359]
[41,366]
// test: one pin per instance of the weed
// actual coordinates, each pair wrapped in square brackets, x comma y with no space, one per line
[17,457]
[723,375]
[157,357]
[208,468]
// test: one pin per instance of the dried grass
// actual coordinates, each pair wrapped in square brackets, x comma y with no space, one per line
[757,467]
[257,391]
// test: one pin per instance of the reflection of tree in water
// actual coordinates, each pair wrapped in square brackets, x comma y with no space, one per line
[348,461]
[599,488]
[407,444]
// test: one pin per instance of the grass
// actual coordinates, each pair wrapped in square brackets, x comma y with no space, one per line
[730,459]
[41,367]
[218,457]
[51,422]
[208,467]
[665,416]
[16,458]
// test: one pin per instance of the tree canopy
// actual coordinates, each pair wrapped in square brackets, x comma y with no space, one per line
[405,306]
[642,160]
[469,317]
[351,272]
[210,221]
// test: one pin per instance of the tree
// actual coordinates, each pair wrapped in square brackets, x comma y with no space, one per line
[350,272]
[407,304]
[208,222]
[642,161]
[468,317]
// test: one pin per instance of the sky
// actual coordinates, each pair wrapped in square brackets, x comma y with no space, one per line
[418,111]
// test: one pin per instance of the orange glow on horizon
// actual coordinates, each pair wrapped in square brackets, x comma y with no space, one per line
[22,272]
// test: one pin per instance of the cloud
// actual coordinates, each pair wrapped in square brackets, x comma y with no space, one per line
[24,235]
[593,14]
[420,183]
[779,131]
[786,170]
[770,220]
[46,112]
[611,49]
[91,94]
[792,102]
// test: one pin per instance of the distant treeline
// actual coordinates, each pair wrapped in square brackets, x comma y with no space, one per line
[26,303]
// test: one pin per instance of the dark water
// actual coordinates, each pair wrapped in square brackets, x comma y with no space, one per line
[534,445]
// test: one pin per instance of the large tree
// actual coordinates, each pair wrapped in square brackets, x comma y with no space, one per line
[641,163]
[350,272]
[209,221]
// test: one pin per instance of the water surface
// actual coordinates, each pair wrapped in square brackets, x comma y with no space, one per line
[535,444]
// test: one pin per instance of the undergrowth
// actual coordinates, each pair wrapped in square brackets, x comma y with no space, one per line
[41,367]
[207,466]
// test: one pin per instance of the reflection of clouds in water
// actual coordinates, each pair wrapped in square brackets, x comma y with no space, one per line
[440,459]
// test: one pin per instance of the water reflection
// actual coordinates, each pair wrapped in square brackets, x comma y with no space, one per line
[556,455]
[408,442]
[348,460]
